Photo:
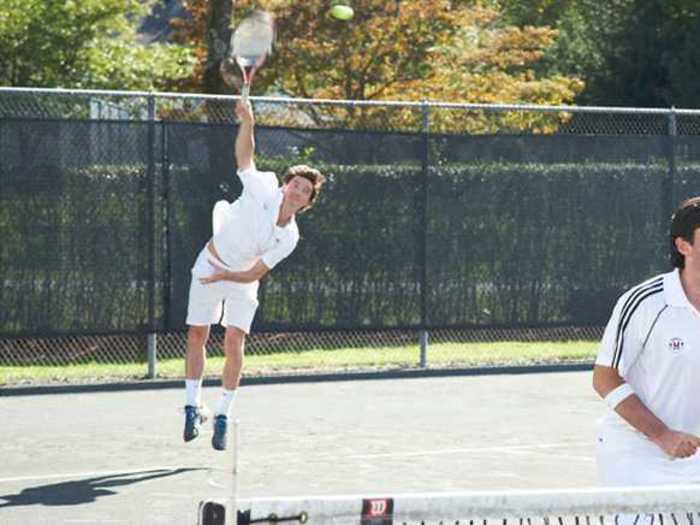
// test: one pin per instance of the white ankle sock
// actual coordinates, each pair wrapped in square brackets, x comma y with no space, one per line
[193,387]
[226,402]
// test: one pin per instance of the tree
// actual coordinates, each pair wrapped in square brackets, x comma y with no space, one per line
[651,55]
[685,59]
[207,31]
[628,52]
[458,51]
[585,29]
[84,44]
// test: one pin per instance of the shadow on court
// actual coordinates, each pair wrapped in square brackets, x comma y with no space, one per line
[83,490]
[351,437]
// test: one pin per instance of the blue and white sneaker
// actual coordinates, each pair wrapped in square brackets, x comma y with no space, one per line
[194,417]
[218,440]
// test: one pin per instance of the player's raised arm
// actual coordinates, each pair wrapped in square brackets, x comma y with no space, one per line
[245,140]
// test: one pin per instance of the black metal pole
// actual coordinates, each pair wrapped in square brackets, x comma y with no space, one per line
[166,258]
[151,225]
[667,193]
[423,245]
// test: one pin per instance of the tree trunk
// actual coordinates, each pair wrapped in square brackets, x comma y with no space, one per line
[220,143]
[219,19]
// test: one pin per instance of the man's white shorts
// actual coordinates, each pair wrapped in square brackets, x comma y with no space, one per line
[628,458]
[239,301]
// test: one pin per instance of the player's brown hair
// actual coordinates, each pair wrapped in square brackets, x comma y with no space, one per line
[684,222]
[312,175]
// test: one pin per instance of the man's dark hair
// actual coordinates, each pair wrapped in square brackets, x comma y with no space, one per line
[312,175]
[684,222]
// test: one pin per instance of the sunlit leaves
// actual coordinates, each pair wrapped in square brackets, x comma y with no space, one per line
[455,51]
[84,44]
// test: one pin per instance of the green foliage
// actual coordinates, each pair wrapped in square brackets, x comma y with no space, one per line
[457,51]
[506,243]
[651,55]
[88,223]
[628,52]
[335,354]
[84,44]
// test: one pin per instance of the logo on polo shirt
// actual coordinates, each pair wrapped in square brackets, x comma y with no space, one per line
[676,344]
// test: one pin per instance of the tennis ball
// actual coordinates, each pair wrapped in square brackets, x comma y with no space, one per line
[341,12]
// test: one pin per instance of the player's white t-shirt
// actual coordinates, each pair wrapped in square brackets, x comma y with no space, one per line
[247,229]
[653,341]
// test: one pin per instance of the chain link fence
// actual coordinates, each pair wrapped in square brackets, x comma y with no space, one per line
[118,357]
[448,235]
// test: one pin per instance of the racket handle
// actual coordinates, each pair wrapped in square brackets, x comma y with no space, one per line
[245,91]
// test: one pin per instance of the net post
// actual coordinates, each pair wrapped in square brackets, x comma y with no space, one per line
[234,518]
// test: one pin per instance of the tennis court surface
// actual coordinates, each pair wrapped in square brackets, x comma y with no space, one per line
[118,457]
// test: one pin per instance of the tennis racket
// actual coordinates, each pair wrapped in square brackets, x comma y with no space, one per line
[251,42]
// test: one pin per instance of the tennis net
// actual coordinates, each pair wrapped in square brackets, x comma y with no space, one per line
[653,505]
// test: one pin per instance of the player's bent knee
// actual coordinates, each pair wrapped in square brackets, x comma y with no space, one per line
[234,335]
[234,343]
[197,336]
[233,346]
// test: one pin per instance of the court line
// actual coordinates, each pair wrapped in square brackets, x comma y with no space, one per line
[501,449]
[140,470]
[507,449]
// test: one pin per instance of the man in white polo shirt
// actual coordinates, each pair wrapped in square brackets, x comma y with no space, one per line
[648,371]
[251,236]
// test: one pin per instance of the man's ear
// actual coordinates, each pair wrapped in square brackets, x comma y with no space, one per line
[683,246]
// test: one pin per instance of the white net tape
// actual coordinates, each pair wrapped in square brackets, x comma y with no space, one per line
[657,505]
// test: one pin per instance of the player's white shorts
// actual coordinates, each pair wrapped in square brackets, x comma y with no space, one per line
[240,301]
[628,458]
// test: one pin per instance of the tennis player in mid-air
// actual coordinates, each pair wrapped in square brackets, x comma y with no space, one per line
[251,236]
[648,371]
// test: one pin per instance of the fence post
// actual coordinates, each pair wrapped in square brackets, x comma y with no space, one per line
[423,342]
[672,133]
[667,190]
[151,226]
[423,247]
[152,350]
[166,244]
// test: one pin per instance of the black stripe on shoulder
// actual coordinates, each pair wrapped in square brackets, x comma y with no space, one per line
[634,294]
[625,319]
